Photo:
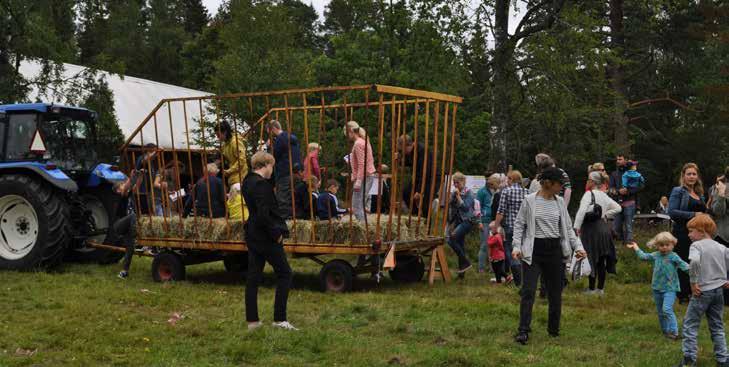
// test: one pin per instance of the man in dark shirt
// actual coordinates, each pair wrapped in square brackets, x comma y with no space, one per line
[282,141]
[627,197]
[146,167]
[421,162]
[265,231]
[215,207]
[124,229]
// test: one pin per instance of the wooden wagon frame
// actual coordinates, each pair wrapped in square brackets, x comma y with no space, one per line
[428,117]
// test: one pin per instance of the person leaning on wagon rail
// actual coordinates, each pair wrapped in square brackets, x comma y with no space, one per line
[214,208]
[282,140]
[265,231]
[124,229]
[146,166]
[234,152]
[406,145]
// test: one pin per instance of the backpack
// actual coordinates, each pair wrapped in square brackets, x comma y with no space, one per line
[596,213]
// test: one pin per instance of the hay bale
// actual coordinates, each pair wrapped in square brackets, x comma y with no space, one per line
[326,232]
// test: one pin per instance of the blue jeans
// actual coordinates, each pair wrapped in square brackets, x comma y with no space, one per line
[511,265]
[624,218]
[483,251]
[711,304]
[664,307]
[457,241]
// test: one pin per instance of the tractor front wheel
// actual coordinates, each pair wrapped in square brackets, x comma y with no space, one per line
[34,226]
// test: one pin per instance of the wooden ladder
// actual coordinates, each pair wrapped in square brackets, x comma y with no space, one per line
[438,265]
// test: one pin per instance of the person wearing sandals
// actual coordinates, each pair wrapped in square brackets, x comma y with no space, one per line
[594,231]
[543,241]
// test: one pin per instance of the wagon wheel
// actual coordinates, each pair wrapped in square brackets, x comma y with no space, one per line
[168,267]
[409,269]
[336,276]
[236,263]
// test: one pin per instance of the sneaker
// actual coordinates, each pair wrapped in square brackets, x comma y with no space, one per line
[254,325]
[672,336]
[590,292]
[553,334]
[123,274]
[600,292]
[492,280]
[521,338]
[284,325]
[686,362]
[465,268]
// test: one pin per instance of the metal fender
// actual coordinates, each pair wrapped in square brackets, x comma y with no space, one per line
[50,173]
[104,172]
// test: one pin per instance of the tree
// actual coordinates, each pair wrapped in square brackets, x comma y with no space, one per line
[39,31]
[110,138]
[538,17]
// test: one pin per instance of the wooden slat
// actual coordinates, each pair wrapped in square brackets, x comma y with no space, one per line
[418,93]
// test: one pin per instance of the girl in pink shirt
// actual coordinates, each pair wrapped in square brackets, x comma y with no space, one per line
[311,163]
[363,167]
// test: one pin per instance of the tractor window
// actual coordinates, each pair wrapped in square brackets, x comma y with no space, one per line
[21,129]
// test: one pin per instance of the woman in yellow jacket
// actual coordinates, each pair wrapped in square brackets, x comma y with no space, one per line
[234,151]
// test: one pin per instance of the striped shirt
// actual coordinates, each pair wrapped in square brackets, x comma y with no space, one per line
[546,217]
[509,204]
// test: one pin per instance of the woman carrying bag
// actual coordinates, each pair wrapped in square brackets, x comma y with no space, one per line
[543,241]
[594,231]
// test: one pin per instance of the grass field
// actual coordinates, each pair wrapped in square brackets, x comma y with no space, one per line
[83,315]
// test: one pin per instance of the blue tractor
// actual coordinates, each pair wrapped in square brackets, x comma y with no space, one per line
[55,190]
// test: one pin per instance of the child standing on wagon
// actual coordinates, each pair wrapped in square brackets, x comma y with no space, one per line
[665,279]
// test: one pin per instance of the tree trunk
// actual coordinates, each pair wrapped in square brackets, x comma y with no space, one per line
[617,78]
[502,102]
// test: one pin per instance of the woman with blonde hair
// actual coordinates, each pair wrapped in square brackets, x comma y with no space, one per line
[685,202]
[311,162]
[363,167]
[461,219]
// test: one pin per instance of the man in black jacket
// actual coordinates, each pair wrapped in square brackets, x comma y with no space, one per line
[424,184]
[627,197]
[265,231]
[204,206]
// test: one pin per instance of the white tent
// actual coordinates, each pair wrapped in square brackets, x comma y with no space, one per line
[134,99]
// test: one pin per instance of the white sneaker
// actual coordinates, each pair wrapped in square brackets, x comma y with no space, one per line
[492,280]
[590,291]
[600,292]
[254,325]
[284,325]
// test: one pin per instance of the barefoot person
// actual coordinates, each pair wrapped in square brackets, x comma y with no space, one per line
[264,234]
[543,242]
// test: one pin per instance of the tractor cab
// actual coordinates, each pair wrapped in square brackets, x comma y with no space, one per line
[62,136]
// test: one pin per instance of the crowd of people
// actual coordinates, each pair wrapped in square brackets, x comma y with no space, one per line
[526,231]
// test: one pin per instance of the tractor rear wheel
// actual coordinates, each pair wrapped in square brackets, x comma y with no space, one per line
[34,223]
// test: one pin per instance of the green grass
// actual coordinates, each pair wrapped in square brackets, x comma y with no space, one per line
[83,315]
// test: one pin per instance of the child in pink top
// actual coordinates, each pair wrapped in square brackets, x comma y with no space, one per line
[496,251]
[311,162]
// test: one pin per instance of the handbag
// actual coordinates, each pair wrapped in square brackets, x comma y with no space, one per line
[579,268]
[596,213]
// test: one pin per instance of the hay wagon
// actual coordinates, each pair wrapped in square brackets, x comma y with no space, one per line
[404,240]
